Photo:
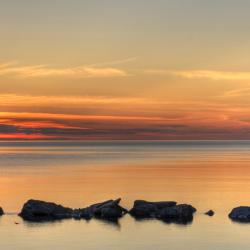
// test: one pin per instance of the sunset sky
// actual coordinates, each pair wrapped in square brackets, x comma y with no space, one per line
[116,69]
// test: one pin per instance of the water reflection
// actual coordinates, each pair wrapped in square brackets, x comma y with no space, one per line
[33,224]
[166,221]
[205,174]
[110,223]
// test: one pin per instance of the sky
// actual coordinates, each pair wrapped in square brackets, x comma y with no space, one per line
[125,70]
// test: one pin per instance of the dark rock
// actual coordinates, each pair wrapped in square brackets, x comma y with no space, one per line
[240,214]
[210,213]
[144,211]
[76,214]
[86,213]
[35,210]
[110,210]
[158,204]
[148,209]
[179,213]
[1,211]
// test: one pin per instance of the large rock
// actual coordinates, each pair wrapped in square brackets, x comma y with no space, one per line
[181,213]
[36,210]
[241,214]
[110,210]
[1,211]
[163,210]
[148,209]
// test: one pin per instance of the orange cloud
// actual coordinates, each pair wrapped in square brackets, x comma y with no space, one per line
[29,100]
[242,92]
[37,71]
[207,74]
[24,136]
[8,115]
[38,124]
[137,119]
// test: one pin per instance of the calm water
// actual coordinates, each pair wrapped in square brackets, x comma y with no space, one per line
[208,174]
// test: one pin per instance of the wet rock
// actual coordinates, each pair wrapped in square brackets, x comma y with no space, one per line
[240,214]
[109,210]
[148,209]
[180,213]
[36,210]
[210,213]
[1,211]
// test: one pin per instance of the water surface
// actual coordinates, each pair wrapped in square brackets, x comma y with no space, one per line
[208,174]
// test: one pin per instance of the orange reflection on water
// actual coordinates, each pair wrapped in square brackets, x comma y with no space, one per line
[206,185]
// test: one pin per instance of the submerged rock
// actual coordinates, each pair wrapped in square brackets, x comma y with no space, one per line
[36,210]
[241,214]
[1,211]
[110,210]
[148,209]
[210,213]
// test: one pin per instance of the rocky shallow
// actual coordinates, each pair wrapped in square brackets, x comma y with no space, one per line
[111,210]
[169,211]
[36,210]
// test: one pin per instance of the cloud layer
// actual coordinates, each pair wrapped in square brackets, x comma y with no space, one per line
[99,118]
[204,74]
[37,71]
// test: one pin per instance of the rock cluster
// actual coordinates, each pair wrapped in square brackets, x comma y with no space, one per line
[168,211]
[36,210]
